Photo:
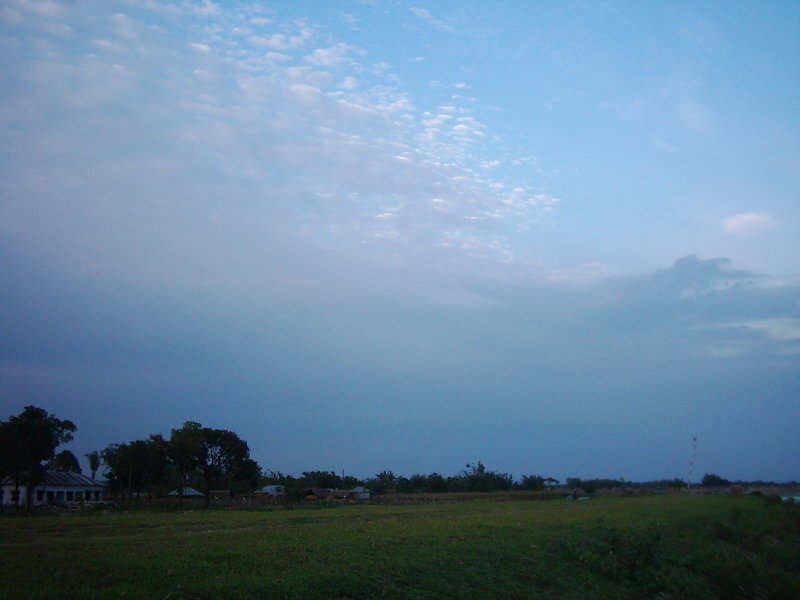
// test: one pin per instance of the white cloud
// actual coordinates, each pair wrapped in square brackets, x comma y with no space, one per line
[329,57]
[585,274]
[349,83]
[748,224]
[204,48]
[268,109]
[693,115]
[43,8]
[778,329]
[425,15]
[207,8]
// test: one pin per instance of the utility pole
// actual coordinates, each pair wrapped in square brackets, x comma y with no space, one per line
[691,462]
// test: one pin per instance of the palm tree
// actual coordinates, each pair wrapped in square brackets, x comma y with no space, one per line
[94,461]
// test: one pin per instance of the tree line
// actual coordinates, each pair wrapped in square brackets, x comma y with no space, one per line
[473,478]
[209,458]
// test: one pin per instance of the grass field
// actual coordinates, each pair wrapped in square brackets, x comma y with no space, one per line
[670,546]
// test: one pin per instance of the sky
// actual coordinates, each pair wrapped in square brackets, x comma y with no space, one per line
[561,238]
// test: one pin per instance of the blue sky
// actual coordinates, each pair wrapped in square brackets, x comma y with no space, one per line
[557,237]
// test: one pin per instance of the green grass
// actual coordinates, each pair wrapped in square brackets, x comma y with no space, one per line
[670,546]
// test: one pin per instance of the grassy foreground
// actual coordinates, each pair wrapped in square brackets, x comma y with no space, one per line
[670,546]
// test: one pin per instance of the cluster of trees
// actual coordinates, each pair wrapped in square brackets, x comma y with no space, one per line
[713,480]
[474,478]
[193,455]
[28,444]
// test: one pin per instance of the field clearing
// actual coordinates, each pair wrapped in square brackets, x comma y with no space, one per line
[667,546]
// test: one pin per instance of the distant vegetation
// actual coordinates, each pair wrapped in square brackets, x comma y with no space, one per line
[218,459]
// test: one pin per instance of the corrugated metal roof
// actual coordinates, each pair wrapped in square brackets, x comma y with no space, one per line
[55,478]
[188,492]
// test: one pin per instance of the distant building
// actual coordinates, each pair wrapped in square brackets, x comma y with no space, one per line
[361,492]
[358,493]
[272,490]
[188,492]
[57,488]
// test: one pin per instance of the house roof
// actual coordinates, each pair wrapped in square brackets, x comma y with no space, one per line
[327,493]
[270,489]
[187,492]
[60,479]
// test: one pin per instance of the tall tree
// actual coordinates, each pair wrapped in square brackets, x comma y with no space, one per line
[157,461]
[95,459]
[221,453]
[136,465]
[249,472]
[65,461]
[31,439]
[184,449]
[118,469]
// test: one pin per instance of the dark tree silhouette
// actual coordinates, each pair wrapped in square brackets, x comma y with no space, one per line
[31,439]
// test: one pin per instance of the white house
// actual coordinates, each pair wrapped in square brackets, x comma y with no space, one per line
[272,490]
[361,492]
[57,488]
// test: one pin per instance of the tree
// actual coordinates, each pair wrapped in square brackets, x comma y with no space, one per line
[183,450]
[118,468]
[31,438]
[136,465]
[533,482]
[323,479]
[418,482]
[436,483]
[156,462]
[221,452]
[387,480]
[478,479]
[65,462]
[95,459]
[249,472]
[213,452]
[712,480]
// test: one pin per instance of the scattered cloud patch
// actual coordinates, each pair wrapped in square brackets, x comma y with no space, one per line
[781,329]
[748,224]
[425,15]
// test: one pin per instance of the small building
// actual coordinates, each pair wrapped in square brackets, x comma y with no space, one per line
[361,492]
[272,490]
[57,488]
[188,492]
[326,494]
[358,493]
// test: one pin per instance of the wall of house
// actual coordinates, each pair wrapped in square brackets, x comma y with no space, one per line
[51,495]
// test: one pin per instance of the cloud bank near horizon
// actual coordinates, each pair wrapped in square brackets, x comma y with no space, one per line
[383,228]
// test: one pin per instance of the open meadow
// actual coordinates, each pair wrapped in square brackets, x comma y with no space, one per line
[659,546]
